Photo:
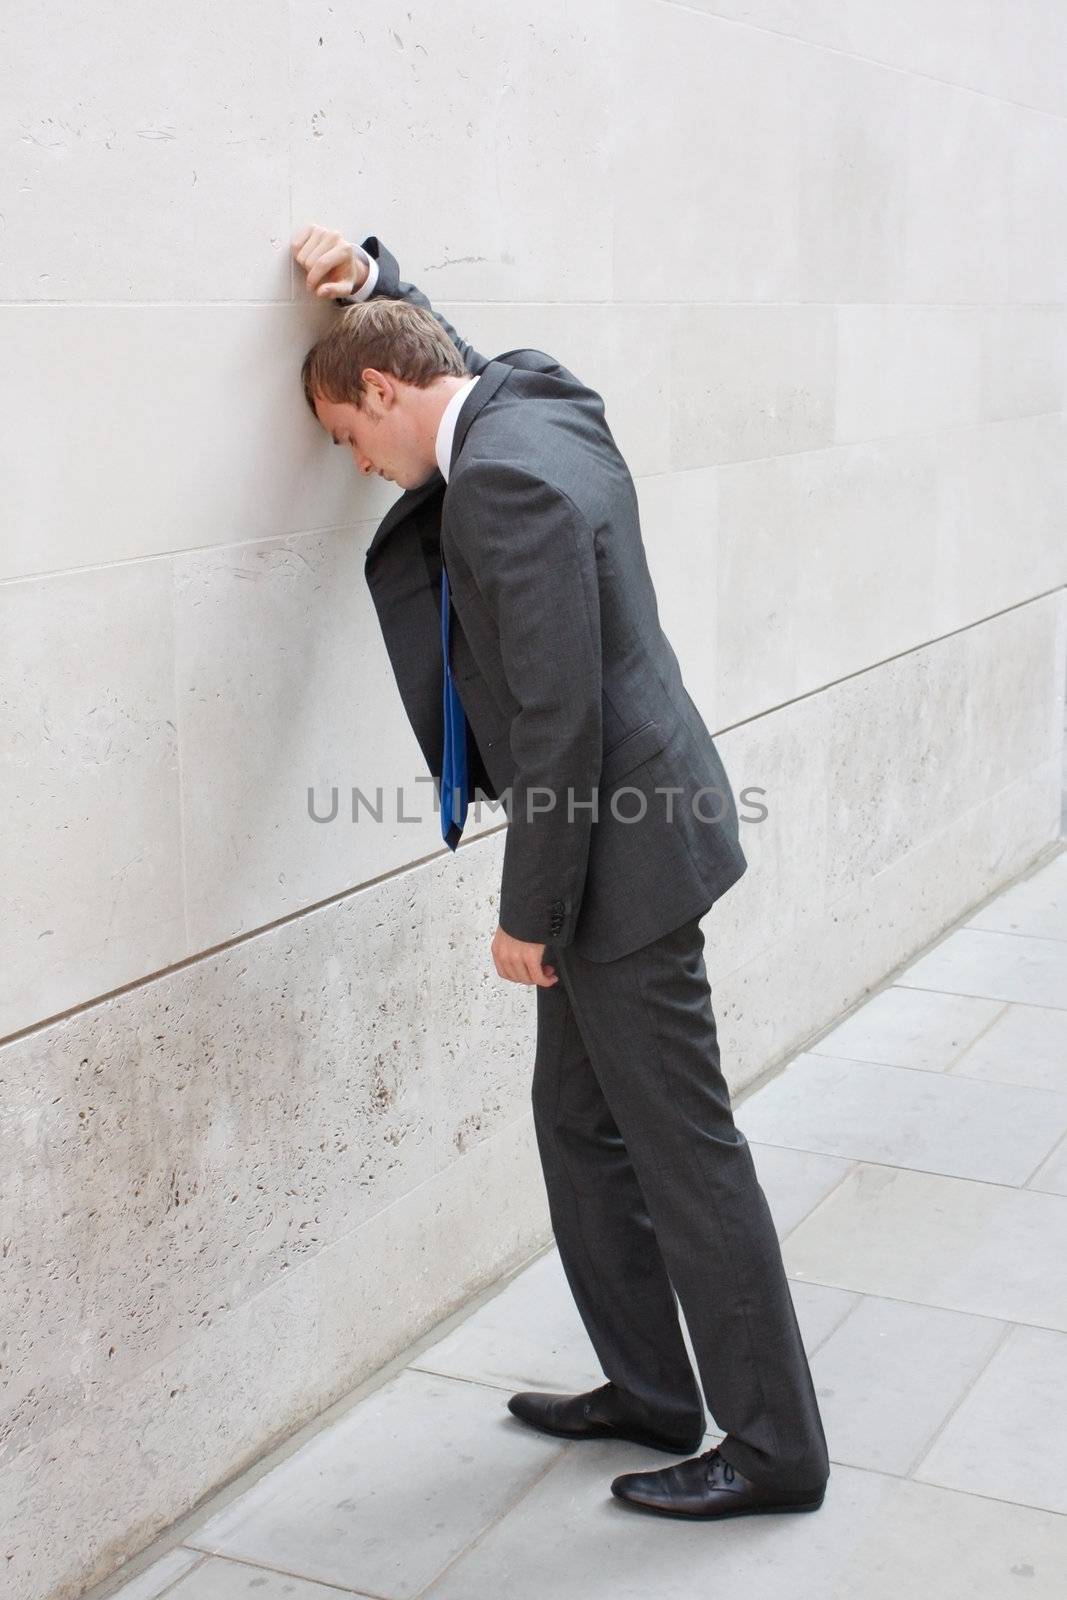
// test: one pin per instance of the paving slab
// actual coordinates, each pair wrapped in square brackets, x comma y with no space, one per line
[874,1536]
[932,1122]
[1008,1439]
[1051,1175]
[217,1579]
[965,1246]
[910,1028]
[794,1181]
[1026,1045]
[1037,905]
[820,1310]
[890,1374]
[529,1336]
[383,1499]
[996,966]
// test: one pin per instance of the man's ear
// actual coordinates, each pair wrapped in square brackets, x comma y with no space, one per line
[381,385]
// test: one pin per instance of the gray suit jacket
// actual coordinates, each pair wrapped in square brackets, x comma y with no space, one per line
[573,694]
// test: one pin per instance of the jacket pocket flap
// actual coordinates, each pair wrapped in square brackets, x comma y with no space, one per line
[645,741]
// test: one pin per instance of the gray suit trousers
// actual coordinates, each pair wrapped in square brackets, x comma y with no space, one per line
[654,1199]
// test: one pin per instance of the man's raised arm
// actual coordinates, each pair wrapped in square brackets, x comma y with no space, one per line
[346,273]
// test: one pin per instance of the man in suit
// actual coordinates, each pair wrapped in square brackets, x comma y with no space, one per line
[521,623]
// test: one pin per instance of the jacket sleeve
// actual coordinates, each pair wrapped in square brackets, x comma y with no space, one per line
[531,555]
[390,286]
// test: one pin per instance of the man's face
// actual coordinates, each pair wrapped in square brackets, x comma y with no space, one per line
[381,434]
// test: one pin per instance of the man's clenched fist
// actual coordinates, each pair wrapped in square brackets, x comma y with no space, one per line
[520,961]
[333,268]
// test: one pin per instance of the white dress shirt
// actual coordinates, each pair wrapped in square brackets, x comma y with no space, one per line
[447,427]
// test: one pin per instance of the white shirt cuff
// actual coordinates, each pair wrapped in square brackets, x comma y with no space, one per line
[372,276]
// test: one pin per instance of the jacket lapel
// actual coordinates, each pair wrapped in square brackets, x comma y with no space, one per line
[489,381]
[403,572]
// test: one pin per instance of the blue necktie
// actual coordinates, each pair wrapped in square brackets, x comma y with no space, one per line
[454,766]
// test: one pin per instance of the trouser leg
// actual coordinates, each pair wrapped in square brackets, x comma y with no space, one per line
[606,1242]
[647,1024]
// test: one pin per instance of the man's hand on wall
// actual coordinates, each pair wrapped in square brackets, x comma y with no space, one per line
[520,961]
[333,268]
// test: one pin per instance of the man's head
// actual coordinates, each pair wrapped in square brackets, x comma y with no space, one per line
[379,381]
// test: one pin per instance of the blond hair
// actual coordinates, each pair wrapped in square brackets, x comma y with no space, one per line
[389,335]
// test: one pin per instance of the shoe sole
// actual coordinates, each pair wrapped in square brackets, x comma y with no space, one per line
[634,1436]
[719,1516]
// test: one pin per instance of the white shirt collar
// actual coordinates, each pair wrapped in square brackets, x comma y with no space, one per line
[447,427]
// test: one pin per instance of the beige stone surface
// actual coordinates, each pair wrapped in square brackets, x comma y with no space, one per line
[988,49]
[91,864]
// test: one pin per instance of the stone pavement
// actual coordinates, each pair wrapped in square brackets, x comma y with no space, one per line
[915,1160]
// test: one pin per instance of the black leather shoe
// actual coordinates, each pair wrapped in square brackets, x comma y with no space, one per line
[601,1414]
[709,1487]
